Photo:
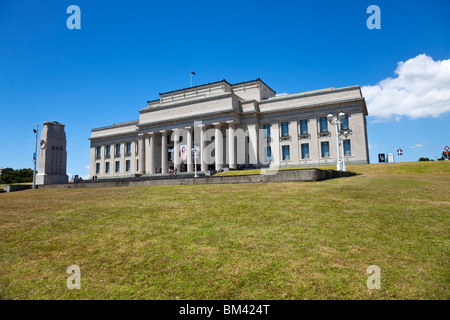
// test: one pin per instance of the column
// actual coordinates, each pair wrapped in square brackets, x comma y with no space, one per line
[275,145]
[204,165]
[176,149]
[231,149]
[189,162]
[151,154]
[218,146]
[141,152]
[164,154]
[253,145]
[92,162]
[122,170]
[295,150]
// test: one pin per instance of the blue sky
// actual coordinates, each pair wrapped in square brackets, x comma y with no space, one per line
[128,51]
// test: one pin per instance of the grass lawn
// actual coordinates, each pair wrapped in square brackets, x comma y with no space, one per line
[306,240]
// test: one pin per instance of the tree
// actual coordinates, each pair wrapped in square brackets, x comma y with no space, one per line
[424,159]
[9,175]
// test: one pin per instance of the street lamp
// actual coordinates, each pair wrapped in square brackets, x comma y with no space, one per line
[35,156]
[340,117]
[196,151]
[344,168]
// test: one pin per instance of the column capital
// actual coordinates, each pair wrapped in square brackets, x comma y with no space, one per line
[188,128]
[216,124]
[163,131]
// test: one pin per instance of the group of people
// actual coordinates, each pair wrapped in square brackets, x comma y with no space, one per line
[172,172]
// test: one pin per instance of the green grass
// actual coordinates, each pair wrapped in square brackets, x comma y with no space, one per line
[310,240]
[387,168]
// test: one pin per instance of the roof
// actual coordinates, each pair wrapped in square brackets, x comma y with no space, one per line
[207,84]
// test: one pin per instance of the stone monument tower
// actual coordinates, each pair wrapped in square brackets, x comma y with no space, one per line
[52,154]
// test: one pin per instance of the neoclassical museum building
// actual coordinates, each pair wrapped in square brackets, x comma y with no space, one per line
[244,125]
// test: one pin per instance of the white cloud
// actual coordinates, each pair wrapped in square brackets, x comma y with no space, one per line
[418,145]
[281,94]
[420,89]
[86,177]
[373,146]
[87,166]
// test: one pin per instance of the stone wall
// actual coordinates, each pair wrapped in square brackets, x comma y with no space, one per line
[282,176]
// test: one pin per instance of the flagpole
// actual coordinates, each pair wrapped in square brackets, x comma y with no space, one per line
[191,78]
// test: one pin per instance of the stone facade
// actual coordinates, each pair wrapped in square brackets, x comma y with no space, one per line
[52,155]
[267,130]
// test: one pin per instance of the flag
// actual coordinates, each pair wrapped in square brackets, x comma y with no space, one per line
[192,72]
[34,130]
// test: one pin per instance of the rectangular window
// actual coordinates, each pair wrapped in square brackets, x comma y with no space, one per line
[267,131]
[323,122]
[325,146]
[118,149]
[286,153]
[268,153]
[128,147]
[127,165]
[117,166]
[137,165]
[108,150]
[344,124]
[107,167]
[305,150]
[285,129]
[304,126]
[137,147]
[98,152]
[97,168]
[347,148]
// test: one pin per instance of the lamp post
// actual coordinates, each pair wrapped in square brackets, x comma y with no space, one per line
[35,156]
[196,151]
[344,168]
[340,117]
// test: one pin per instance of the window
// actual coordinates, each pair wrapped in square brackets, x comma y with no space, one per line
[344,124]
[97,168]
[117,166]
[268,153]
[323,122]
[107,167]
[286,153]
[305,150]
[127,165]
[108,150]
[118,149]
[137,165]
[285,129]
[267,131]
[98,151]
[325,146]
[304,126]
[137,147]
[347,148]
[128,147]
